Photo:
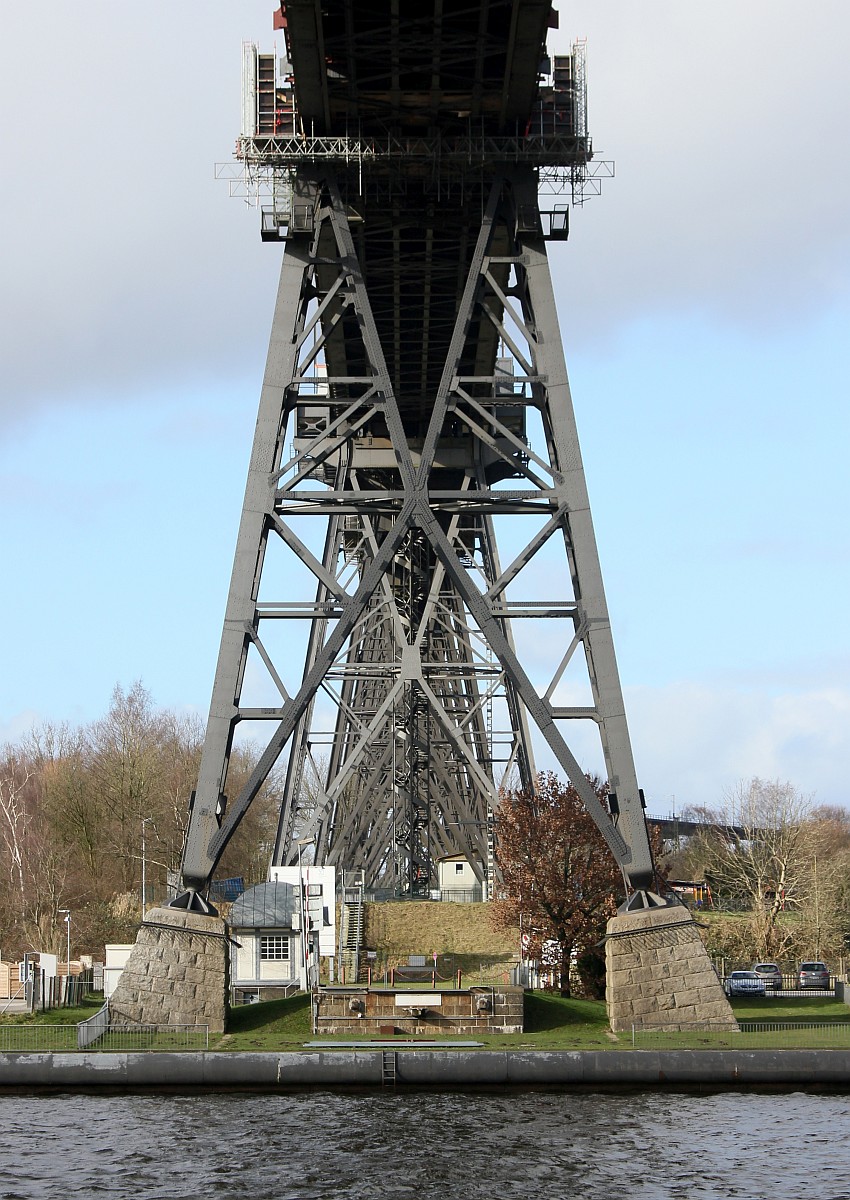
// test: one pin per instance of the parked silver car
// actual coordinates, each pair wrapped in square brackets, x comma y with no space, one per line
[770,973]
[744,983]
[813,975]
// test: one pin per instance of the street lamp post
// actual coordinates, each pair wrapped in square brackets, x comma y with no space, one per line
[67,913]
[144,867]
[302,908]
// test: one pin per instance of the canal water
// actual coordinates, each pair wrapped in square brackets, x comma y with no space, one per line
[425,1146]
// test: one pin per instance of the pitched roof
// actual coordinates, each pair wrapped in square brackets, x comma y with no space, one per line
[266,906]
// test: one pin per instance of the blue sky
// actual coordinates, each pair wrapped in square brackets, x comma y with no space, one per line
[704,303]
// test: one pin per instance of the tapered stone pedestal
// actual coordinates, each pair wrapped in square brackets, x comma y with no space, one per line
[659,974]
[177,972]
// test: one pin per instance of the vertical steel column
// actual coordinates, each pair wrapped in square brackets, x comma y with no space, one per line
[240,613]
[580,542]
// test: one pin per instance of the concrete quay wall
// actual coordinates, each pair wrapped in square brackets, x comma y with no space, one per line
[713,1069]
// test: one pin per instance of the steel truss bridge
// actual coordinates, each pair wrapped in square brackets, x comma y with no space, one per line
[415,482]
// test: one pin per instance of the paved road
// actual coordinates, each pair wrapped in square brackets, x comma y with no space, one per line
[12,1006]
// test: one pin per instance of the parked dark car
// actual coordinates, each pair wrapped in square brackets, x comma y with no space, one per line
[813,975]
[744,983]
[770,973]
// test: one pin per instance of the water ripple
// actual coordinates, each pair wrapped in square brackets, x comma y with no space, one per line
[424,1146]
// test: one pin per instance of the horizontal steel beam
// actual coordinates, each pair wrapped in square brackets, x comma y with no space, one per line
[297,151]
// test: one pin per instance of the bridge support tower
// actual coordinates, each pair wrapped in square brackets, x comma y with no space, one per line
[416,590]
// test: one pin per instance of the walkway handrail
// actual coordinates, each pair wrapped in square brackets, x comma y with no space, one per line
[93,1028]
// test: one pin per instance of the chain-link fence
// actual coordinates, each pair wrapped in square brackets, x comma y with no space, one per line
[750,1035]
[36,1038]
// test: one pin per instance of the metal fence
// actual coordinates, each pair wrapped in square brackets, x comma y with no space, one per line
[59,991]
[35,1038]
[473,895]
[751,1035]
[788,987]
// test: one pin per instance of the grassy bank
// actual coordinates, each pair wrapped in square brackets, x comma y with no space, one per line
[461,937]
[804,1008]
[551,1023]
[57,1016]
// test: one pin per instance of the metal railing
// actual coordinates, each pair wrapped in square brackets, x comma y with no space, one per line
[36,1038]
[751,1035]
[471,895]
[551,149]
[92,1030]
[379,895]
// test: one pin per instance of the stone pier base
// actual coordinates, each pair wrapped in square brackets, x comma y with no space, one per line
[177,972]
[659,974]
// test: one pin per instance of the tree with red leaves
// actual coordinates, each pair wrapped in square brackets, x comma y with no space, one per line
[560,880]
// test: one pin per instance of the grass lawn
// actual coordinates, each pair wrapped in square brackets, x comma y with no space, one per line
[552,1023]
[58,1016]
[781,1008]
[269,1025]
[752,1011]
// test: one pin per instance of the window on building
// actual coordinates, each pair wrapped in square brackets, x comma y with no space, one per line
[459,868]
[274,947]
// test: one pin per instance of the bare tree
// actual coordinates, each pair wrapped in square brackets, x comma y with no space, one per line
[759,851]
[34,869]
[126,746]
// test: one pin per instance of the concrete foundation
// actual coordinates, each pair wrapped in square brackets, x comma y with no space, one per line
[373,1012]
[659,974]
[177,972]
[599,1070]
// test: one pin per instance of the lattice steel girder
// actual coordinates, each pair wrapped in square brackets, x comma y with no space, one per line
[299,152]
[409,595]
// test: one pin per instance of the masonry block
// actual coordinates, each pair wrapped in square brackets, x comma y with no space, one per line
[685,997]
[153,988]
[675,983]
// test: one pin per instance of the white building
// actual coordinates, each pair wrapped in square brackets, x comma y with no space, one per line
[320,900]
[458,880]
[273,956]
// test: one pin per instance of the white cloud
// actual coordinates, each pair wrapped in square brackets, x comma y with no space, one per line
[731,193]
[694,741]
[18,725]
[125,264]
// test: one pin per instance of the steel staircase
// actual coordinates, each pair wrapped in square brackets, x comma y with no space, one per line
[351,932]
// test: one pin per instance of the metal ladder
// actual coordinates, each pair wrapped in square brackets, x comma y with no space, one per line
[388,1068]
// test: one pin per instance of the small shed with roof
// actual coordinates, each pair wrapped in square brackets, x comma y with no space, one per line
[266,961]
